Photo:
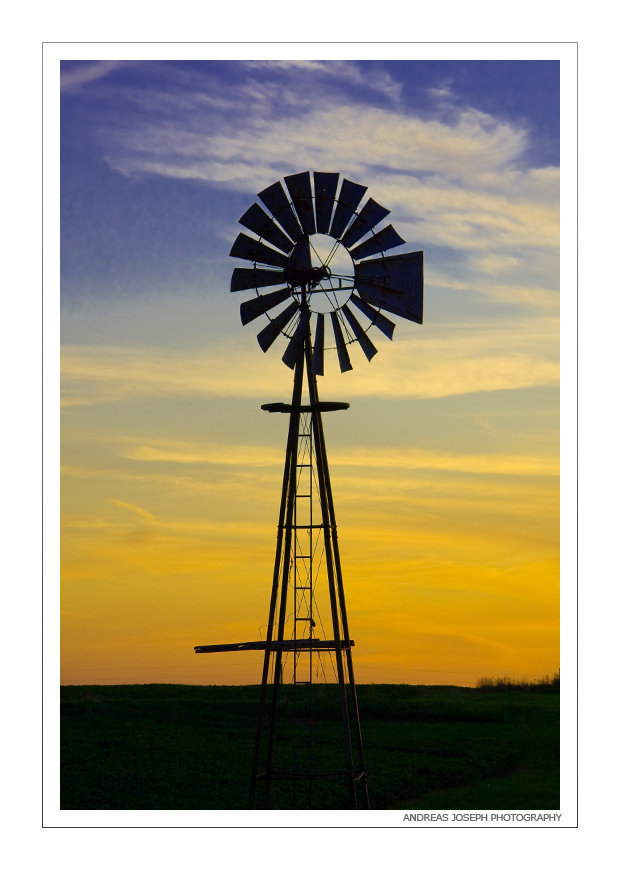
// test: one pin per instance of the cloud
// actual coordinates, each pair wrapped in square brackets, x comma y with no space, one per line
[254,455]
[438,362]
[454,177]
[353,138]
[71,77]
[540,299]
[493,264]
[111,374]
[468,463]
[233,530]
[340,70]
[213,454]
[134,509]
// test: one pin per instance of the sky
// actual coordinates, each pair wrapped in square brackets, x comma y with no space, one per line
[445,468]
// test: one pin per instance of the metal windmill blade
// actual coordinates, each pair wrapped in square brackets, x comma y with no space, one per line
[360,334]
[349,198]
[377,244]
[253,308]
[247,248]
[276,201]
[300,190]
[343,354]
[319,346]
[296,343]
[325,187]
[268,335]
[260,223]
[368,218]
[250,279]
[374,315]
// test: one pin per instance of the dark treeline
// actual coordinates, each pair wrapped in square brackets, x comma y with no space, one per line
[508,684]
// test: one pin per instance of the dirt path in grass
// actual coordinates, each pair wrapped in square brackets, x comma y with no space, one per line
[527,789]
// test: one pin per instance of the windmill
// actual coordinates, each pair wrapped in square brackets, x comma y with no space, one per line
[320,248]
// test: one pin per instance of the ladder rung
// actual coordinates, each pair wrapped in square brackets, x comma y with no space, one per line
[294,526]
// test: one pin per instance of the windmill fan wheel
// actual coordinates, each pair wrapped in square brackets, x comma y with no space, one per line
[320,248]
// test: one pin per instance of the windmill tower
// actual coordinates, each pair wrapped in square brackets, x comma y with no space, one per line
[317,259]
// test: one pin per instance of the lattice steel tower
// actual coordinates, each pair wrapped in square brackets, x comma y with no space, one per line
[315,250]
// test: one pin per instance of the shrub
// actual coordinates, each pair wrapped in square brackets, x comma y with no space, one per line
[511,684]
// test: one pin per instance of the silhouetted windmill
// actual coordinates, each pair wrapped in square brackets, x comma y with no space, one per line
[320,266]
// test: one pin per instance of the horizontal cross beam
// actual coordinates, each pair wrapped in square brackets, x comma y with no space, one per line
[283,408]
[311,643]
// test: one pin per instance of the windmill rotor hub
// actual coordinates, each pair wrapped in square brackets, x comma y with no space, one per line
[329,283]
[306,277]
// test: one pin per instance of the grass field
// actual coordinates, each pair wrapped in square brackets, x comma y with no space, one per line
[180,747]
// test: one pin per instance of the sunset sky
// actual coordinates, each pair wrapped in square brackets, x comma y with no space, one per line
[446,467]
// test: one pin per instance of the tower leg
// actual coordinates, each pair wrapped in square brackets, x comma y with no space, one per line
[329,520]
[284,537]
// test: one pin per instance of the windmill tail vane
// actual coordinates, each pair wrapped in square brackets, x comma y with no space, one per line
[313,243]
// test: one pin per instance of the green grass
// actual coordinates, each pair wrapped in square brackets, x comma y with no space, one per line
[166,746]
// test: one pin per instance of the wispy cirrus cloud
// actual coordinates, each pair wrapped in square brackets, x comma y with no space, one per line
[468,201]
[473,154]
[478,358]
[73,75]
[134,509]
[253,455]
[340,70]
[292,113]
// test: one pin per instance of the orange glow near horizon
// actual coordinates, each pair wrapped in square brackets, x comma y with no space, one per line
[451,574]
